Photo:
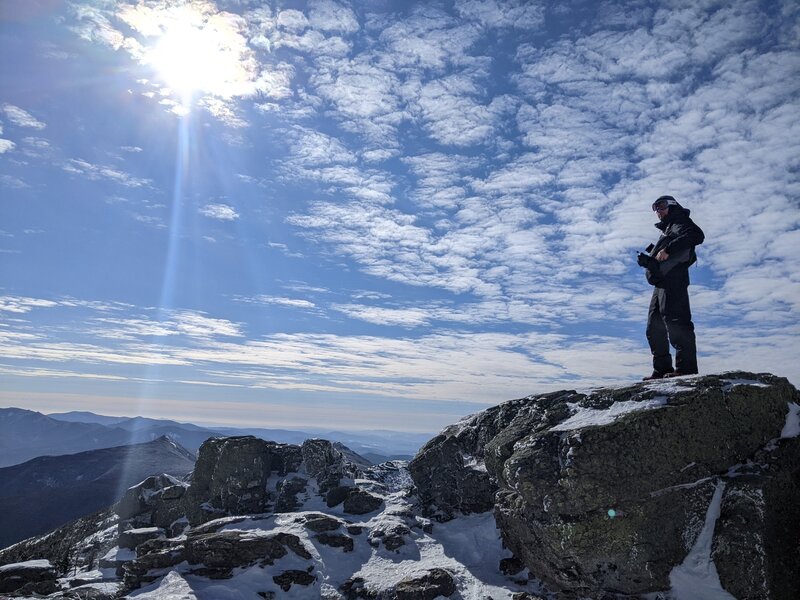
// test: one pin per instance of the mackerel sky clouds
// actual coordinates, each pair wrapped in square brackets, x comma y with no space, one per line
[383,214]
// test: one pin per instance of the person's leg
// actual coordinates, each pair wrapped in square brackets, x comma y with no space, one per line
[678,318]
[657,334]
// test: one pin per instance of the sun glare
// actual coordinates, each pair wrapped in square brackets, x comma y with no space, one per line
[195,60]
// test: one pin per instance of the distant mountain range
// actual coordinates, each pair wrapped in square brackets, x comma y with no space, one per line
[48,491]
[26,434]
[57,467]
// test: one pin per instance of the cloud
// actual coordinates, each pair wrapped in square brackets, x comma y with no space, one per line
[192,324]
[455,116]
[292,19]
[22,118]
[312,148]
[221,212]
[279,301]
[41,373]
[152,220]
[195,324]
[36,147]
[442,179]
[23,304]
[522,14]
[332,16]
[429,38]
[6,146]
[96,172]
[365,97]
[406,317]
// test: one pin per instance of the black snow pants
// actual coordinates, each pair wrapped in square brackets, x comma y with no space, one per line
[669,321]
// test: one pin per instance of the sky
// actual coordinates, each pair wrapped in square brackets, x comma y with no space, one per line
[383,215]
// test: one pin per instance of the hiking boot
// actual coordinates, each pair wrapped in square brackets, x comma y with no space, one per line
[679,373]
[657,375]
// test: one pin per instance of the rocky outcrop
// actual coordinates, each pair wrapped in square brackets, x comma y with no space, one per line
[330,462]
[147,494]
[210,554]
[603,494]
[450,471]
[433,584]
[133,538]
[608,491]
[390,533]
[29,577]
[230,478]
[288,491]
[81,543]
[359,502]
[755,547]
[293,577]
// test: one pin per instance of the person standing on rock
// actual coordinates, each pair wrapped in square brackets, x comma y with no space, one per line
[669,319]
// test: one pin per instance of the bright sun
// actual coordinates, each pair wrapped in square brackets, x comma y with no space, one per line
[199,60]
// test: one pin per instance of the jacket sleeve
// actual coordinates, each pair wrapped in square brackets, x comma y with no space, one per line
[684,236]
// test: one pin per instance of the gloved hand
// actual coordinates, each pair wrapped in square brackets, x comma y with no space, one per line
[643,259]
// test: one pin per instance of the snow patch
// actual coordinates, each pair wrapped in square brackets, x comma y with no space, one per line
[681,486]
[585,417]
[473,462]
[171,587]
[729,384]
[696,578]
[118,554]
[792,427]
[28,564]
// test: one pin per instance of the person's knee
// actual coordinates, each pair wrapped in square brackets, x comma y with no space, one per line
[679,320]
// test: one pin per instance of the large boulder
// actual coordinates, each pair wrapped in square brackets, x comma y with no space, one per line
[28,577]
[359,502]
[144,496]
[607,492]
[230,477]
[624,484]
[450,471]
[287,493]
[229,549]
[756,545]
[436,583]
[330,462]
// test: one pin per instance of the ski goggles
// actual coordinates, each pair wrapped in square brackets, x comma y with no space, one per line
[660,204]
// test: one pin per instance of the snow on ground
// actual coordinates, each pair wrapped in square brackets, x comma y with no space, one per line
[728,384]
[792,426]
[106,587]
[671,385]
[119,554]
[27,564]
[584,417]
[171,587]
[469,547]
[696,578]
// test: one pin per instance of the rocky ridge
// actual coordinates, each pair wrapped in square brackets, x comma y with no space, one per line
[78,483]
[612,493]
[315,520]
[607,492]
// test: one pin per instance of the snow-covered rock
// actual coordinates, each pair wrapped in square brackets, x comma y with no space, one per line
[30,576]
[686,489]
[607,491]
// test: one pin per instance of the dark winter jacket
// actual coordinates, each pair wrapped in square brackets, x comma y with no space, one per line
[679,237]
